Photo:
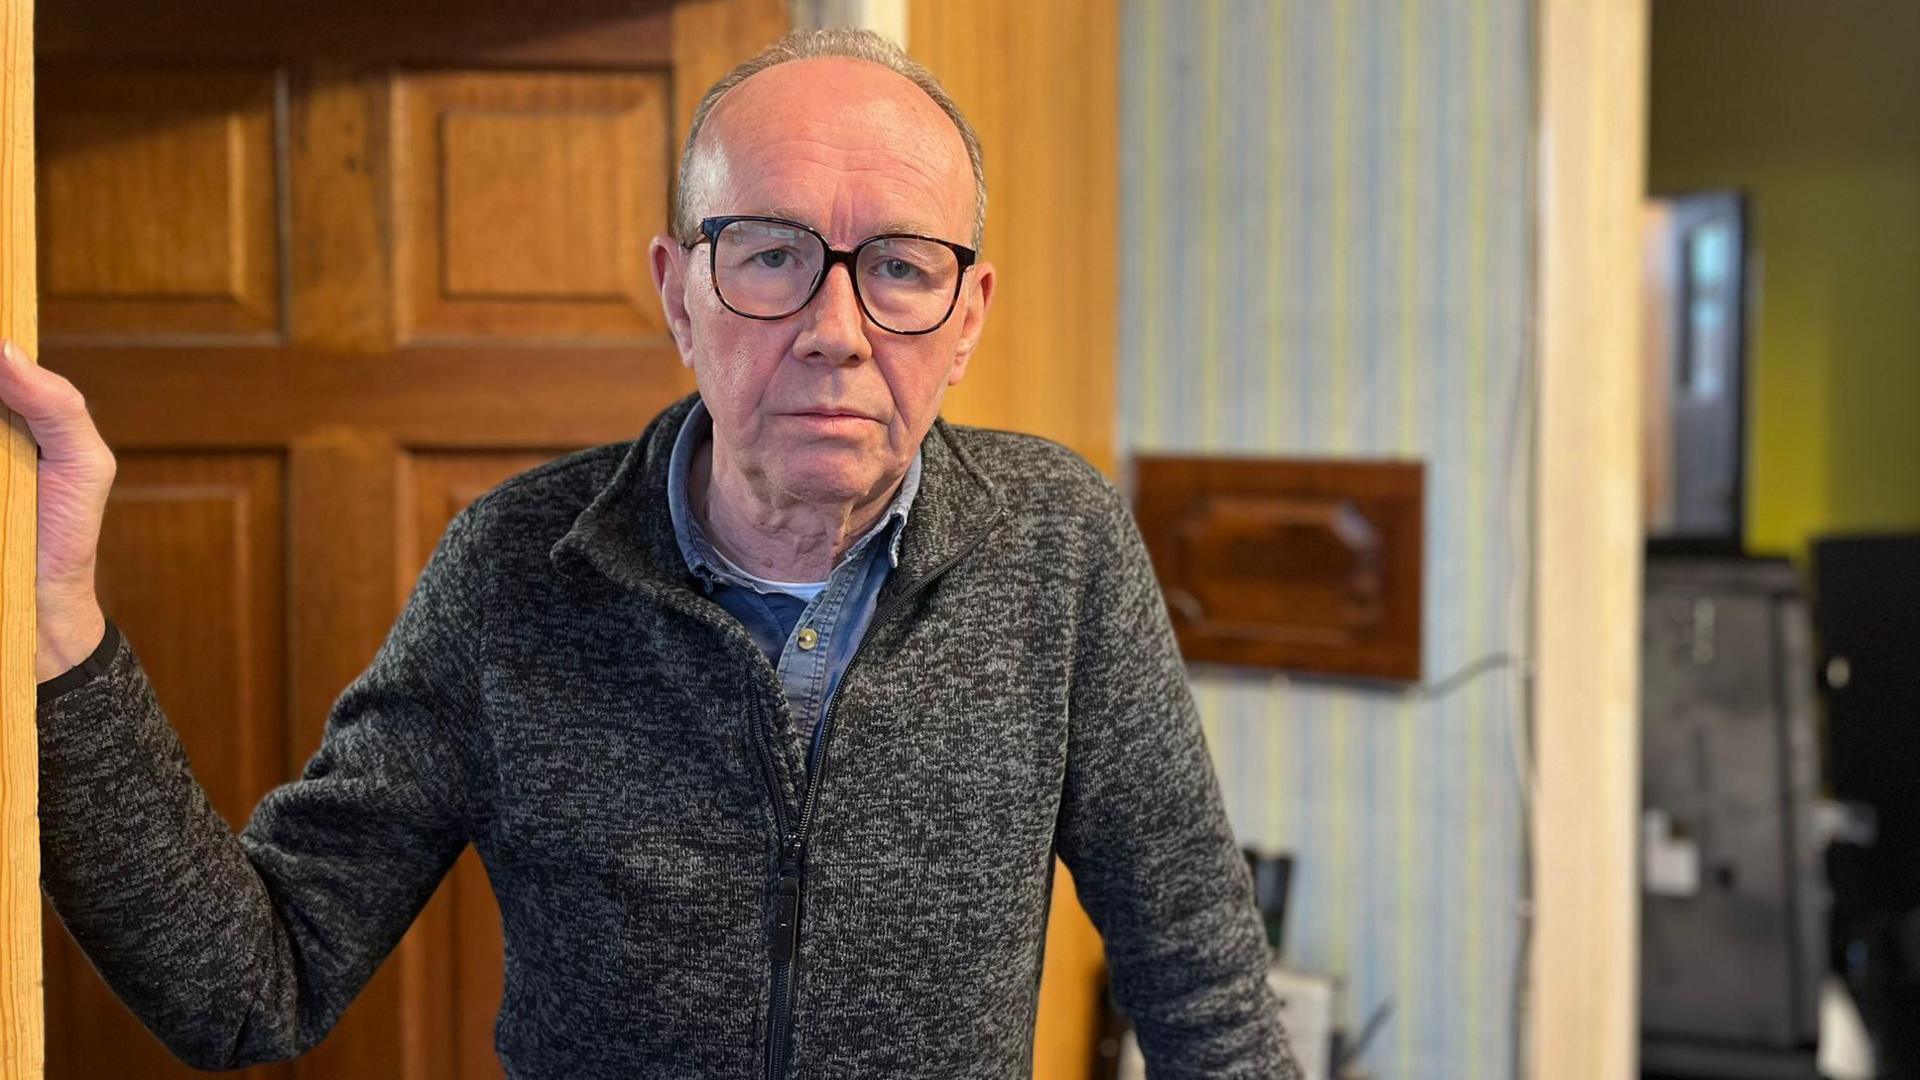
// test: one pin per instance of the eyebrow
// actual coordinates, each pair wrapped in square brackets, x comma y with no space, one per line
[905,225]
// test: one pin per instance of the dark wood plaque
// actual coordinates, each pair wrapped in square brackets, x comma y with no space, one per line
[1311,565]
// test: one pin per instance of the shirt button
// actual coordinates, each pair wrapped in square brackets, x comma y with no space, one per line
[807,638]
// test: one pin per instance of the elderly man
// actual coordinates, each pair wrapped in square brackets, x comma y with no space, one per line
[767,725]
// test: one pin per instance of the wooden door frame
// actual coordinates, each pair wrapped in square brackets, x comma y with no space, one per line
[1587,535]
[22,1030]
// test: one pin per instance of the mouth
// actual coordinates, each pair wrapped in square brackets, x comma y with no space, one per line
[832,414]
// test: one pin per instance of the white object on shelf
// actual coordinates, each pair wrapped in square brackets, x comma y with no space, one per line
[1308,1005]
[1670,864]
[1845,1051]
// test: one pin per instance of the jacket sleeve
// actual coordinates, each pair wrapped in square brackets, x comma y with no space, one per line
[242,949]
[1144,831]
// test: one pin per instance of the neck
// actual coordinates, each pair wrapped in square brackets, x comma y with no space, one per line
[769,533]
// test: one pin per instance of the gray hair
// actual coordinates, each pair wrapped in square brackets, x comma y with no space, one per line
[812,44]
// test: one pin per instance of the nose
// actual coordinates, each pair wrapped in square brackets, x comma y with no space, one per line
[834,330]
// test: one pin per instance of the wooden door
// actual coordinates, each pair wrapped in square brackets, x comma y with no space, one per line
[325,273]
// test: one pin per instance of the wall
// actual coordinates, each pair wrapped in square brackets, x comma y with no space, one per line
[1325,251]
[1810,108]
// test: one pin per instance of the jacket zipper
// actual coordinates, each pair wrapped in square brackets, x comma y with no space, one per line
[793,845]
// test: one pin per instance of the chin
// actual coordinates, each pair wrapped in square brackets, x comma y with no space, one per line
[830,481]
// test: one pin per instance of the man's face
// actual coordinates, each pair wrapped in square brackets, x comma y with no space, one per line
[823,406]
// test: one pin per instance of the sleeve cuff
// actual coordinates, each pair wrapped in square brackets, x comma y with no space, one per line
[94,665]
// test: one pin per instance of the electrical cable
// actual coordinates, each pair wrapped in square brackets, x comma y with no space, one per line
[1440,688]
[1351,1054]
[1523,449]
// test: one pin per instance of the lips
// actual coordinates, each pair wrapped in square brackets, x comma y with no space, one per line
[839,413]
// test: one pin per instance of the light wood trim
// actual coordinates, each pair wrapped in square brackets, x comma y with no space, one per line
[22,1026]
[1592,70]
[1073,984]
[1041,85]
[710,37]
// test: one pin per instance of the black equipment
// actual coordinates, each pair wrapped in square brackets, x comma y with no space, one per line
[1732,948]
[1867,610]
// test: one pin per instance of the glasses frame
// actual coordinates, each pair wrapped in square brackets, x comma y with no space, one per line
[710,229]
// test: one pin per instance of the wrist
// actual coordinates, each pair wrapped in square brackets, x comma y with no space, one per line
[67,635]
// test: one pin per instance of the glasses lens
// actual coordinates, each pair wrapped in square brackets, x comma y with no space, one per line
[765,268]
[908,284]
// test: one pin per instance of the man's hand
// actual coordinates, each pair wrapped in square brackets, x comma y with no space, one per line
[75,473]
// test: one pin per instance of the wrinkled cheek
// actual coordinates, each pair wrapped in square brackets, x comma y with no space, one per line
[735,373]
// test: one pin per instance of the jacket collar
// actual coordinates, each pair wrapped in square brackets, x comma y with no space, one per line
[712,568]
[626,532]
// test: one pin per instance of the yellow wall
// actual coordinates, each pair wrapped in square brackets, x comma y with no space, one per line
[1814,109]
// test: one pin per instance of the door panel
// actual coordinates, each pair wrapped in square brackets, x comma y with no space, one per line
[159,202]
[525,203]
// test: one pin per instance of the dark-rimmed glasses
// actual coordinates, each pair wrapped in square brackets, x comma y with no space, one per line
[769,268]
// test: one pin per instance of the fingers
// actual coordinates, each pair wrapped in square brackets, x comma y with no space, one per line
[53,408]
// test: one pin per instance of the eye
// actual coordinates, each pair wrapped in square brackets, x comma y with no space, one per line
[898,270]
[774,259]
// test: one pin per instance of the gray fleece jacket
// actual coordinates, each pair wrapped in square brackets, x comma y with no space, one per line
[558,693]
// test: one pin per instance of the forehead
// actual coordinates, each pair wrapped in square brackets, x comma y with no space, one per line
[848,147]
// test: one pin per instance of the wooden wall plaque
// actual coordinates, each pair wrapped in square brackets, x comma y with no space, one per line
[1309,565]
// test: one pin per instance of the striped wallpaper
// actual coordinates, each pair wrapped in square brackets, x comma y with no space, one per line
[1326,253]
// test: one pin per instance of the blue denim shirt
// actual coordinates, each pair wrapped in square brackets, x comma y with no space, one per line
[775,618]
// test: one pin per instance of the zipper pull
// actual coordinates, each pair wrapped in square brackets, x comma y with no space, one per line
[786,920]
[786,916]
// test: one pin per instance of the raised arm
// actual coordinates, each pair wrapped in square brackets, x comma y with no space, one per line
[241,949]
[1144,831]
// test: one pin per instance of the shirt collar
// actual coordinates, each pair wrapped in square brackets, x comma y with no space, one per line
[707,564]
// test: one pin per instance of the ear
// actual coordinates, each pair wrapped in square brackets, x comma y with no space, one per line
[669,263]
[974,303]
